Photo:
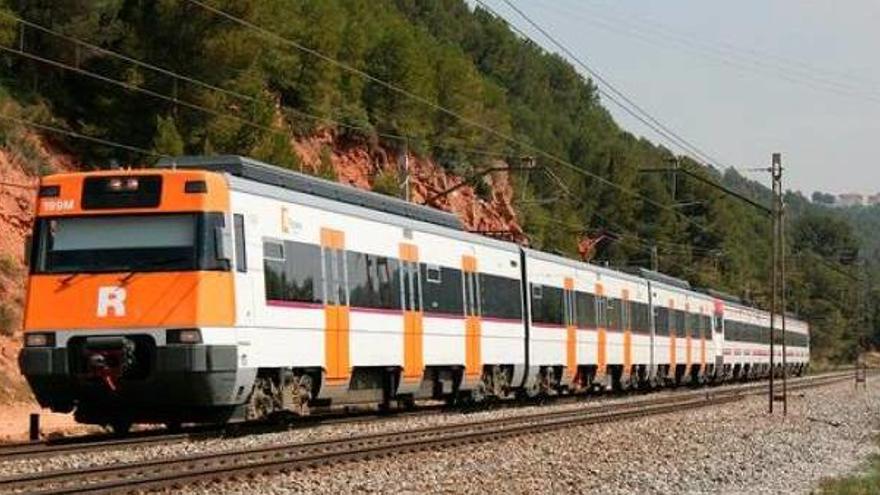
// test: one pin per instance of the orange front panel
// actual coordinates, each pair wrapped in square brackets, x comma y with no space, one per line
[473,359]
[672,362]
[413,352]
[92,301]
[571,351]
[173,197]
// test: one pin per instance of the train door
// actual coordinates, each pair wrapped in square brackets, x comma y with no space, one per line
[570,330]
[244,291]
[411,283]
[336,309]
[473,331]
[601,331]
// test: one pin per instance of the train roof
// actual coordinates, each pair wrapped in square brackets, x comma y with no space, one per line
[662,278]
[248,168]
[582,265]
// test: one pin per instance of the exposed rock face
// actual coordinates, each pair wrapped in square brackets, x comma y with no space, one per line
[361,165]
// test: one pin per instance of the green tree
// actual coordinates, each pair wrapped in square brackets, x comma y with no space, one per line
[167,140]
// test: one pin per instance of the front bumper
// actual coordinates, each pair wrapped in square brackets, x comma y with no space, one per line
[185,382]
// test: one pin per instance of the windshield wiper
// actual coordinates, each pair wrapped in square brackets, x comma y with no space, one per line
[150,264]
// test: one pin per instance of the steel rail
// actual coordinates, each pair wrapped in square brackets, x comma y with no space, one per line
[172,472]
[101,442]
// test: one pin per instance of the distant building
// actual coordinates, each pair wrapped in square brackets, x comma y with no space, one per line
[874,199]
[850,199]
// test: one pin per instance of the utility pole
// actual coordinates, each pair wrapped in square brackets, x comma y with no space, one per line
[783,296]
[774,217]
[655,260]
[777,274]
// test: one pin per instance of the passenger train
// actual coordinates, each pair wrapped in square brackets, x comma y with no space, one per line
[214,289]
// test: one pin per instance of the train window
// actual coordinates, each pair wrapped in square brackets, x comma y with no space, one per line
[433,274]
[444,296]
[127,243]
[694,326]
[273,251]
[240,247]
[641,318]
[678,323]
[548,308]
[706,326]
[625,312]
[292,272]
[613,314]
[501,297]
[661,321]
[585,309]
[728,330]
[374,281]
[537,292]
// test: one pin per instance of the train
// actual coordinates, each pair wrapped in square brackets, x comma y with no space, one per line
[214,289]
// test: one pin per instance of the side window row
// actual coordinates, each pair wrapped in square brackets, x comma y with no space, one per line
[555,306]
[294,272]
[736,331]
[682,323]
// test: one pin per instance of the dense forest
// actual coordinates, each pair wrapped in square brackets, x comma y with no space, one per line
[267,73]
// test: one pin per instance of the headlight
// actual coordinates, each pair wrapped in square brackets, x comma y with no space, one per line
[183,336]
[39,339]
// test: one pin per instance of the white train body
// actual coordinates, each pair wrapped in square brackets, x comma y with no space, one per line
[346,296]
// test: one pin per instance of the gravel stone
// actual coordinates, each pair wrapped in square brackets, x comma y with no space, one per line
[735,449]
[721,449]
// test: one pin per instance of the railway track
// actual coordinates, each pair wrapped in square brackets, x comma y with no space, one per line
[101,442]
[179,471]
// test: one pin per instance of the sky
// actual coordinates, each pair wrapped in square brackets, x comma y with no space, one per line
[738,80]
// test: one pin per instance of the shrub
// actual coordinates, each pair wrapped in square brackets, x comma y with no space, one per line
[8,265]
[8,319]
[326,170]
[387,182]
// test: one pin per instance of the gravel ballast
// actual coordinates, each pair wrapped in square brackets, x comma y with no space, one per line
[723,449]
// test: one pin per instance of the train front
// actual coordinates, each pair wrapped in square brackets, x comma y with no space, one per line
[130,299]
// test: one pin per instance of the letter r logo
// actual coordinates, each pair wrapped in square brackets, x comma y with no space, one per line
[111,298]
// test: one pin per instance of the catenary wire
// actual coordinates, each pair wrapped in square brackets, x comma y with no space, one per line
[512,140]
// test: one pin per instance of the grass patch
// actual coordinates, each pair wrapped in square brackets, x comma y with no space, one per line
[866,482]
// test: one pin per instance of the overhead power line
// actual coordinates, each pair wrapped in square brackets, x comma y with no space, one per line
[138,89]
[421,99]
[630,106]
[84,137]
[233,93]
[752,61]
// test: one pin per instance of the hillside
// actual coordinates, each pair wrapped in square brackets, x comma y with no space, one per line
[197,82]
